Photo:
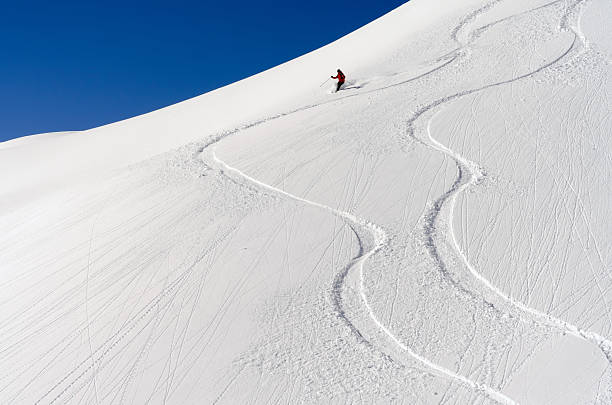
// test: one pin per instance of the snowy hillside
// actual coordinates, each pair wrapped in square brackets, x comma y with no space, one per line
[439,231]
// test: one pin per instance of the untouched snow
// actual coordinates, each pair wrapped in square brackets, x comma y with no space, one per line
[436,232]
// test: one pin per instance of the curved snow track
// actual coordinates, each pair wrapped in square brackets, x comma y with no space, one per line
[462,184]
[469,175]
[371,237]
[357,263]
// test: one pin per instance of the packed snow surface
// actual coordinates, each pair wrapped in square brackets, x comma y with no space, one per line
[439,231]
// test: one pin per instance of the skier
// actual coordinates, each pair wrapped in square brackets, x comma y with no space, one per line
[340,76]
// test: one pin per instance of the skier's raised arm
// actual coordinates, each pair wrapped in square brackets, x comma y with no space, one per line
[340,76]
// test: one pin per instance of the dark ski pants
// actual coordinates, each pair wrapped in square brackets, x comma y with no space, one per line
[339,85]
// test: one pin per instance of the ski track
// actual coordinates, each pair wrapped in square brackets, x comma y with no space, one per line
[475,175]
[379,236]
[450,197]
[87,365]
[354,222]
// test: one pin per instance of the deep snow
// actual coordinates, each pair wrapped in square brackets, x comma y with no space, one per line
[436,232]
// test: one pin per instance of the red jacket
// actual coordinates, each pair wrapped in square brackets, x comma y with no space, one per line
[340,76]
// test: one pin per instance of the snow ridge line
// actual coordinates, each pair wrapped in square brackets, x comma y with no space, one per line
[380,240]
[604,344]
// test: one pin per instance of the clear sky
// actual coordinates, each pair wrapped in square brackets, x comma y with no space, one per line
[72,65]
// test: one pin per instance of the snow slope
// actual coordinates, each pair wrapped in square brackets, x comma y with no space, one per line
[437,232]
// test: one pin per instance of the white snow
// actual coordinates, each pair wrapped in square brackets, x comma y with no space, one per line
[436,232]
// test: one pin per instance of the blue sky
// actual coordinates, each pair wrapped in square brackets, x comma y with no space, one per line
[75,65]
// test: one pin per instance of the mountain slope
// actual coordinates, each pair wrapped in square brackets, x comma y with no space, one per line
[434,233]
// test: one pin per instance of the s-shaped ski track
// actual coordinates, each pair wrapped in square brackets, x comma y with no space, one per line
[465,165]
[380,240]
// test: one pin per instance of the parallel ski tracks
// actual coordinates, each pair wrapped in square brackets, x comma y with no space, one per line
[379,241]
[379,236]
[474,174]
